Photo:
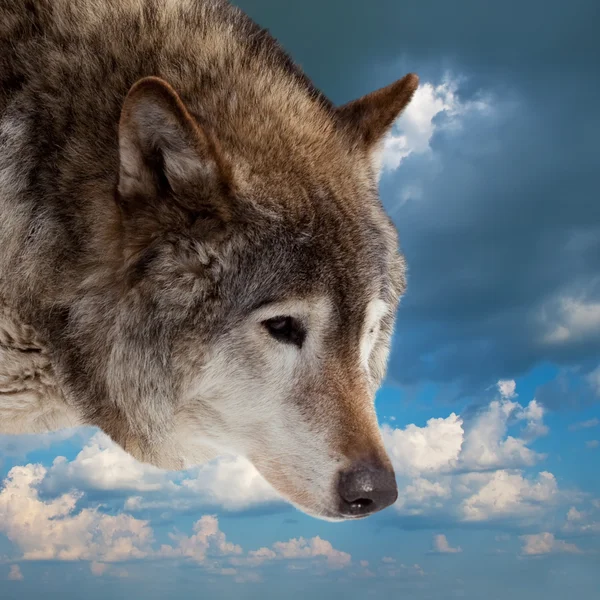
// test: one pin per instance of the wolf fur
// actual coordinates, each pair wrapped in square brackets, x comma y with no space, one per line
[170,181]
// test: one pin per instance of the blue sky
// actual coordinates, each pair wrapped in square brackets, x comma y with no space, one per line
[491,408]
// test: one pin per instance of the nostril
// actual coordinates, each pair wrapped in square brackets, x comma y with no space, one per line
[366,488]
[361,503]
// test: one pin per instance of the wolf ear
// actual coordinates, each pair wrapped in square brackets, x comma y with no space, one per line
[162,147]
[369,118]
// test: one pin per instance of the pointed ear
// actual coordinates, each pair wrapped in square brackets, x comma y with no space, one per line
[369,118]
[161,146]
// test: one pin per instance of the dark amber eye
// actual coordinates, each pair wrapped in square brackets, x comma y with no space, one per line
[286,330]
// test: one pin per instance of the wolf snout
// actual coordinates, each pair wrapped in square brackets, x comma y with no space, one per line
[365,488]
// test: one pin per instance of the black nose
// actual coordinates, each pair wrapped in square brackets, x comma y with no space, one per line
[365,488]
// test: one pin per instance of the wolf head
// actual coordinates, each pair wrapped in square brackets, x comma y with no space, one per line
[260,280]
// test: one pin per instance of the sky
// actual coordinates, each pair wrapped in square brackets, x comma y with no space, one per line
[491,407]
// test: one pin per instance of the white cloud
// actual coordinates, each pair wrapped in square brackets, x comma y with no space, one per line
[451,466]
[299,549]
[452,445]
[506,494]
[592,444]
[52,529]
[581,522]
[422,495]
[502,495]
[15,573]
[432,448]
[570,319]
[416,126]
[585,424]
[546,543]
[206,539]
[533,414]
[574,515]
[465,469]
[229,482]
[507,388]
[471,469]
[486,445]
[103,465]
[441,545]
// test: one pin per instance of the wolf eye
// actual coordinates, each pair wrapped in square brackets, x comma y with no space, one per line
[286,330]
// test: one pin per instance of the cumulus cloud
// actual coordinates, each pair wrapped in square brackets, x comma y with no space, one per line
[450,444]
[441,546]
[486,445]
[103,465]
[15,574]
[583,522]
[52,529]
[232,483]
[228,482]
[505,494]
[546,543]
[435,447]
[299,549]
[471,469]
[507,388]
[467,468]
[422,495]
[207,538]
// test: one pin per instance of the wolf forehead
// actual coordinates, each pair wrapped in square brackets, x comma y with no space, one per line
[350,257]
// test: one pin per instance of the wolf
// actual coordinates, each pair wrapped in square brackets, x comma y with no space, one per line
[193,254]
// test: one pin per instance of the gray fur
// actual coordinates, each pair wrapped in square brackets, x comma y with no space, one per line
[129,292]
